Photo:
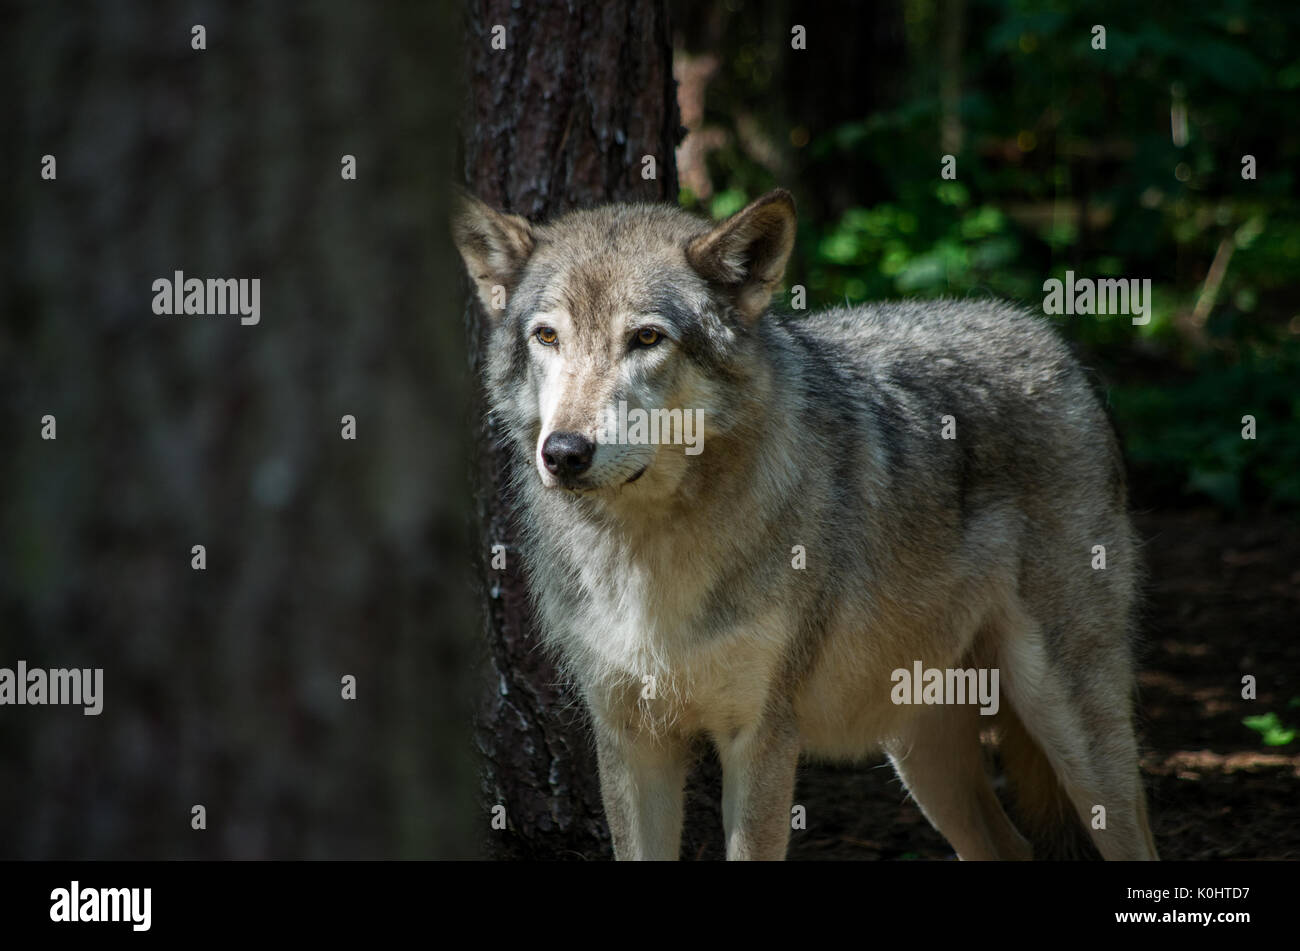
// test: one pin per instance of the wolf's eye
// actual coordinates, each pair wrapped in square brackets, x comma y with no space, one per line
[546,336]
[647,337]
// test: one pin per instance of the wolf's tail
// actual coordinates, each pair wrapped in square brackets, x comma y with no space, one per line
[1040,807]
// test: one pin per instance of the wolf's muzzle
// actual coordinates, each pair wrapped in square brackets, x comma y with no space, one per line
[567,454]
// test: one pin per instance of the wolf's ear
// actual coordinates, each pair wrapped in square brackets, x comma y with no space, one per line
[494,246]
[747,253]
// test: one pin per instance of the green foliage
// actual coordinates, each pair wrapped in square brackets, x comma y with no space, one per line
[1124,162]
[1271,730]
[1185,438]
[936,244]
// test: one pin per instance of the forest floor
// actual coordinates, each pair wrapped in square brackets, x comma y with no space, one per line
[1223,600]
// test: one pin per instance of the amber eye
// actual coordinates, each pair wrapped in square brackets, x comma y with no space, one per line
[546,336]
[647,337]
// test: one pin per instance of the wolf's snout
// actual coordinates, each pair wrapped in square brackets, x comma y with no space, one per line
[567,454]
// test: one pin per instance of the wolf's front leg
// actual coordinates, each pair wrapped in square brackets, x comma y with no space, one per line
[641,783]
[758,770]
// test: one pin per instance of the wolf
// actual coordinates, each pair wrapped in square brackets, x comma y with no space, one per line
[925,484]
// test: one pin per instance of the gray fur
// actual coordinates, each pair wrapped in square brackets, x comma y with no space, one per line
[821,431]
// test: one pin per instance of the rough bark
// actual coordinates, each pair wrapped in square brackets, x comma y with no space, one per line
[562,117]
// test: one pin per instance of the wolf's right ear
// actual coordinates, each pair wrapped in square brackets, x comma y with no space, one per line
[493,245]
[747,253]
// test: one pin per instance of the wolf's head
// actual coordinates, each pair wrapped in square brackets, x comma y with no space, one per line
[623,335]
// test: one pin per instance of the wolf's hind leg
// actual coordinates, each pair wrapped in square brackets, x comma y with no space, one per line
[1085,729]
[940,761]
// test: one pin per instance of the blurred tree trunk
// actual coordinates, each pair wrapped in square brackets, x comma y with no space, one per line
[952,14]
[563,116]
[325,557]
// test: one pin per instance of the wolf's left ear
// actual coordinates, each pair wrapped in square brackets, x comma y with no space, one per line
[494,246]
[747,253]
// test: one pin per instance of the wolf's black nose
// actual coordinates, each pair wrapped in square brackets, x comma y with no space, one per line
[568,454]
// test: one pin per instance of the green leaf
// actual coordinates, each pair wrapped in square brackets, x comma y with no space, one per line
[1270,729]
[727,203]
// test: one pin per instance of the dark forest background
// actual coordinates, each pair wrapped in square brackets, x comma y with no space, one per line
[1122,162]
[325,557]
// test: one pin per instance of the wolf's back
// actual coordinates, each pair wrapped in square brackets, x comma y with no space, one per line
[981,376]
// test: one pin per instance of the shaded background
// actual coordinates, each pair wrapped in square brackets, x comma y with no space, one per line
[325,557]
[1122,162]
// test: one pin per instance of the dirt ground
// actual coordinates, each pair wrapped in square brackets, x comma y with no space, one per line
[1223,601]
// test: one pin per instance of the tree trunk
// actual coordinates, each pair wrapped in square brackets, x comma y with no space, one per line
[563,116]
[325,557]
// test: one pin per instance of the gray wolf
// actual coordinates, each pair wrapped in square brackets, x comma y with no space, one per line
[880,489]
